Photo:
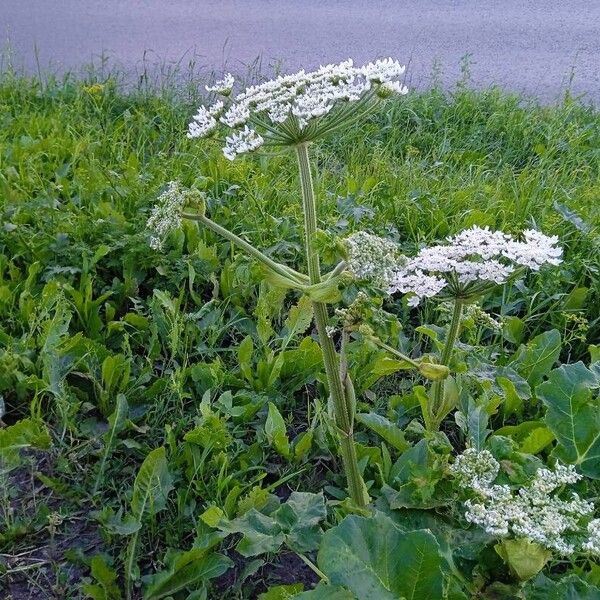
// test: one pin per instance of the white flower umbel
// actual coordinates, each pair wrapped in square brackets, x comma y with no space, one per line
[301,107]
[535,512]
[469,263]
[223,86]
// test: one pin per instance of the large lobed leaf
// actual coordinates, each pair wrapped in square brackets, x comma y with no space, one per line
[573,415]
[374,559]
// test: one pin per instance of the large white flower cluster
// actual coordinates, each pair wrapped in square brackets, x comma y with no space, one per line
[477,256]
[301,97]
[535,512]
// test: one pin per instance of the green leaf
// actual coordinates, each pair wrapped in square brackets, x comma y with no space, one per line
[532,436]
[282,592]
[245,352]
[535,360]
[152,485]
[260,533]
[573,415]
[276,432]
[27,433]
[512,329]
[107,587]
[300,317]
[374,559]
[383,427]
[185,571]
[525,559]
[326,592]
[116,423]
[299,518]
[303,444]
[150,491]
[571,587]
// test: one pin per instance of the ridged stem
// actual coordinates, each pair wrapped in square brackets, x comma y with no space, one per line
[451,338]
[344,409]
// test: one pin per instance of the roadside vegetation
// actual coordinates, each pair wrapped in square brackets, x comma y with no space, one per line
[165,429]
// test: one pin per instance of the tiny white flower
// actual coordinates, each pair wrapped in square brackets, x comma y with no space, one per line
[223,86]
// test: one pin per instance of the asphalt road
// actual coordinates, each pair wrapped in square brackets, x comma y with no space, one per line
[534,46]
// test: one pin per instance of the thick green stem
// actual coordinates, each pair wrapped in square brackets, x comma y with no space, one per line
[342,407]
[451,338]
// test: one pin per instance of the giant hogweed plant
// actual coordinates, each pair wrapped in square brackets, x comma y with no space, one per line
[293,111]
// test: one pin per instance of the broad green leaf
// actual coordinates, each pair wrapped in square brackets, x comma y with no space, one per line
[326,592]
[383,427]
[512,329]
[535,360]
[152,485]
[299,518]
[573,415]
[296,522]
[260,533]
[106,587]
[570,587]
[276,432]
[374,559]
[26,433]
[525,559]
[185,571]
[532,436]
[303,444]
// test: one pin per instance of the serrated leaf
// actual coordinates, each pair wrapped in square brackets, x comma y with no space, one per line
[300,317]
[573,415]
[374,559]
[525,559]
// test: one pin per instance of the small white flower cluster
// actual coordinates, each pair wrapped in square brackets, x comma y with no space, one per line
[166,215]
[535,512]
[592,544]
[372,257]
[302,96]
[476,255]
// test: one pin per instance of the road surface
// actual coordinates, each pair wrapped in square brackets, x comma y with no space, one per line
[534,46]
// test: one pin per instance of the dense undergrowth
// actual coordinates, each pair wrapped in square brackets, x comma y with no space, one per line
[113,354]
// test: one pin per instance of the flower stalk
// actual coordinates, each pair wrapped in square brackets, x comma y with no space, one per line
[438,409]
[338,381]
